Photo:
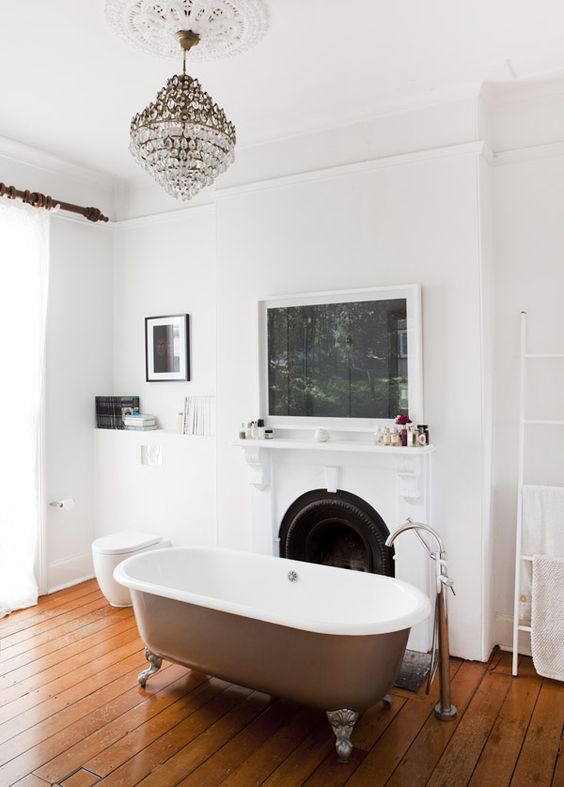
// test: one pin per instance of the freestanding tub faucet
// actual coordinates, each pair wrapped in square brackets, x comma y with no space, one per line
[444,709]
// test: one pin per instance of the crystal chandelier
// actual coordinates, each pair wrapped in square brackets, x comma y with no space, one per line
[183,138]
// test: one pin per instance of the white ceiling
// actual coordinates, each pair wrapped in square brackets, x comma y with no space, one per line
[69,86]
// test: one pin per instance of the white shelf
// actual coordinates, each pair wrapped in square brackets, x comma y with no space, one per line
[332,445]
[151,432]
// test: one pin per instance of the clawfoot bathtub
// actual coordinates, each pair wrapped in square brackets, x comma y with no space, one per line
[318,635]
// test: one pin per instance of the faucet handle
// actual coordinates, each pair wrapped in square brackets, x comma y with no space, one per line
[448,582]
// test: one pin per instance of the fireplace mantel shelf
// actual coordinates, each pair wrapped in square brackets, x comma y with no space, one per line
[332,445]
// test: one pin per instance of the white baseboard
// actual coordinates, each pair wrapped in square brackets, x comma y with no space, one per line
[71,571]
[504,635]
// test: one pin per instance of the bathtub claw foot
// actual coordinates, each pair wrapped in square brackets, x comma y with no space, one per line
[388,701]
[342,722]
[155,662]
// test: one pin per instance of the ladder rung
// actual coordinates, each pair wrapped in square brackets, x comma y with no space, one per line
[526,557]
[544,355]
[524,628]
[545,422]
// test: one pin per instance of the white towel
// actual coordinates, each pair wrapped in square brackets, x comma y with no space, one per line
[547,620]
[543,533]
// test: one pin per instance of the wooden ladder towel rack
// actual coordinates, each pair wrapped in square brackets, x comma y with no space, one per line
[524,422]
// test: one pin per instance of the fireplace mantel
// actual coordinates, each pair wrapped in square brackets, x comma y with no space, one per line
[410,464]
[288,443]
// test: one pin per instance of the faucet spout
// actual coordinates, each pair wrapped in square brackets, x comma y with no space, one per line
[417,526]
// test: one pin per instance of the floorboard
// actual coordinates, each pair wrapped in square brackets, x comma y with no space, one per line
[72,714]
[541,747]
[423,755]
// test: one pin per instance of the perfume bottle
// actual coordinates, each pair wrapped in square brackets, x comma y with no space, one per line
[422,436]
[379,436]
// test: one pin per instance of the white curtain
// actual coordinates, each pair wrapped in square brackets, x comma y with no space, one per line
[24,270]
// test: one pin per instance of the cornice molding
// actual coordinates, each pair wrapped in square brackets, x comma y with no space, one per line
[532,153]
[165,216]
[33,157]
[343,170]
[478,148]
[463,93]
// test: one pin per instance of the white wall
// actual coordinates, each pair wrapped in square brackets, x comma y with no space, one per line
[175,499]
[529,205]
[164,265]
[412,219]
[79,366]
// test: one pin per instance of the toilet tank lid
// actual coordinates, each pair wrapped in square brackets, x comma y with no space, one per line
[124,542]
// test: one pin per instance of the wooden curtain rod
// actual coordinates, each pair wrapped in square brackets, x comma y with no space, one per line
[37,200]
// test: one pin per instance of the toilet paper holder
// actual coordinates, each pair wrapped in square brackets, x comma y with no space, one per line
[63,505]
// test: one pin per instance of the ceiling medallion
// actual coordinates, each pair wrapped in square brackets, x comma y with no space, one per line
[183,138]
[225,27]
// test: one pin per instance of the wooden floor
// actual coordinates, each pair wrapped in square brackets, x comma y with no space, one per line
[71,713]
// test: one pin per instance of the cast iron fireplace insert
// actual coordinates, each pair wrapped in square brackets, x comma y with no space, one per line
[336,529]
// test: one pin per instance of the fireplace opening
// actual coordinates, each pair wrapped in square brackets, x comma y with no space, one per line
[336,529]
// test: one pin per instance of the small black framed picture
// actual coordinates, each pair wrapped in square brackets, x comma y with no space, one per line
[167,348]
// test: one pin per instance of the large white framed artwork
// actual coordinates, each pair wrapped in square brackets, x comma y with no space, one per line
[345,359]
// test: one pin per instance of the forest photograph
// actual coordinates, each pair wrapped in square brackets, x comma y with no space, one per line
[341,360]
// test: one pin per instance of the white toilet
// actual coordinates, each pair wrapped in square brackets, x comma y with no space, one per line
[108,551]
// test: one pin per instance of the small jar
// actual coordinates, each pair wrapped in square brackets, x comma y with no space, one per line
[425,429]
[321,435]
[422,437]
[269,434]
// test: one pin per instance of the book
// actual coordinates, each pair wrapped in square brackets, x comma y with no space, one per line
[111,410]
